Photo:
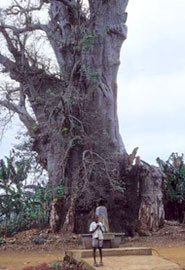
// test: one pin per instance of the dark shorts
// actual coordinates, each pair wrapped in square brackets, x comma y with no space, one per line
[96,243]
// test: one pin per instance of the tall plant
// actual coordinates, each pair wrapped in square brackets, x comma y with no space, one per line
[21,205]
[12,175]
[174,185]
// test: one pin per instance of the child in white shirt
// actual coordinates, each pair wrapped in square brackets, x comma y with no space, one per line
[96,228]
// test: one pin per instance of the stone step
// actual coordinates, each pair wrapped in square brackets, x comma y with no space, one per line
[79,254]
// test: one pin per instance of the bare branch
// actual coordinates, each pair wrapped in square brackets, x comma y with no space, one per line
[28,9]
[10,91]
[17,8]
[11,47]
[21,66]
[28,28]
[9,105]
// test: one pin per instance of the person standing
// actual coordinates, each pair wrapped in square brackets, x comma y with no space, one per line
[101,212]
[96,228]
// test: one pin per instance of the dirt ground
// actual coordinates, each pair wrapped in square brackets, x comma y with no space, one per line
[34,247]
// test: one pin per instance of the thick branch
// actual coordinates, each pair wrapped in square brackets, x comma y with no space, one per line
[7,63]
[71,4]
[24,116]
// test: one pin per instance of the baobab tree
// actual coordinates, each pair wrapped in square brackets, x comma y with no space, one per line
[69,111]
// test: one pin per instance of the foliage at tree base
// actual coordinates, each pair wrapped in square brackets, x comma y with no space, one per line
[67,263]
[22,206]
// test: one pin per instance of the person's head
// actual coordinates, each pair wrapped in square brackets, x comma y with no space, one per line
[96,218]
[101,202]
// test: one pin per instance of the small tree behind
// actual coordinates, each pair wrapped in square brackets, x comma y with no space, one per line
[22,205]
[12,176]
[174,186]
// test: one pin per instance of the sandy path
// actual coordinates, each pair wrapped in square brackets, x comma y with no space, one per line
[174,254]
[12,260]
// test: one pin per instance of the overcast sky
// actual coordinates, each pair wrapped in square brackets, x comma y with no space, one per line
[151,81]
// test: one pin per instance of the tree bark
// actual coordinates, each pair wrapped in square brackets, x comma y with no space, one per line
[151,211]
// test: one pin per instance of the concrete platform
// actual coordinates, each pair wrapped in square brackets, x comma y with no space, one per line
[133,263]
[84,253]
[124,259]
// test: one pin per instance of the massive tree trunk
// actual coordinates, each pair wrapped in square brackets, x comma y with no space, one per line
[75,126]
[86,152]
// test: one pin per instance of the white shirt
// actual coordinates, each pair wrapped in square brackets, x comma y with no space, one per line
[98,233]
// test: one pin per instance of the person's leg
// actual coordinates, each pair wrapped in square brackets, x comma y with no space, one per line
[100,251]
[94,256]
[94,245]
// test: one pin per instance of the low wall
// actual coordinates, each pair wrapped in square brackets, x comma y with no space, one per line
[110,240]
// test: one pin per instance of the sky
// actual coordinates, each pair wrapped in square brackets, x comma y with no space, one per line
[151,81]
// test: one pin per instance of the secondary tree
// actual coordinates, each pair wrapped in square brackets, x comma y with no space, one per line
[69,111]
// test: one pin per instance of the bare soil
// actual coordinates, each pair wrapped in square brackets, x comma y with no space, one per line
[25,250]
